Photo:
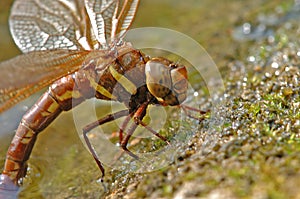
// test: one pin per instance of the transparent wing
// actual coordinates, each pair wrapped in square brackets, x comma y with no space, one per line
[101,13]
[51,24]
[60,32]
[110,18]
[125,17]
[25,74]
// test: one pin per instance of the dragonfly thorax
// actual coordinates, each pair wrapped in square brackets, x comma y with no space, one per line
[129,75]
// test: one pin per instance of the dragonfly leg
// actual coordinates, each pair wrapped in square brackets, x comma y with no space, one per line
[137,140]
[124,142]
[93,125]
[104,120]
[138,116]
[154,132]
[188,108]
[124,124]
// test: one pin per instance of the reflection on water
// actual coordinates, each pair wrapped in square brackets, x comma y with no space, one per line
[5,194]
[60,166]
[7,189]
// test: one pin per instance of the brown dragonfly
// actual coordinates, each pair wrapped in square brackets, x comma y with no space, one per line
[77,48]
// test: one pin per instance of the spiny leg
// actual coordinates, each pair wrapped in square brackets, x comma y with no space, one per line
[137,140]
[123,127]
[188,108]
[124,142]
[93,125]
[104,120]
[132,128]
[154,132]
[138,116]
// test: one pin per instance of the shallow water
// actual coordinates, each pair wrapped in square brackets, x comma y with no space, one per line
[60,166]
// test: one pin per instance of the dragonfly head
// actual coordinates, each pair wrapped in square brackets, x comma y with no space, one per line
[166,81]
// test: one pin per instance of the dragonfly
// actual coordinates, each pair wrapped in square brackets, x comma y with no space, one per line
[77,49]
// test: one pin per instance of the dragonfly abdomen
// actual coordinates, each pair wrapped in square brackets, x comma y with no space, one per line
[62,95]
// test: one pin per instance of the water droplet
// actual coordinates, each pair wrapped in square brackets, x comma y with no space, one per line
[275,65]
[251,59]
[287,69]
[246,28]
[268,75]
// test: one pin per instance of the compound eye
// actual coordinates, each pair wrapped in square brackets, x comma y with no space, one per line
[158,79]
[179,83]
